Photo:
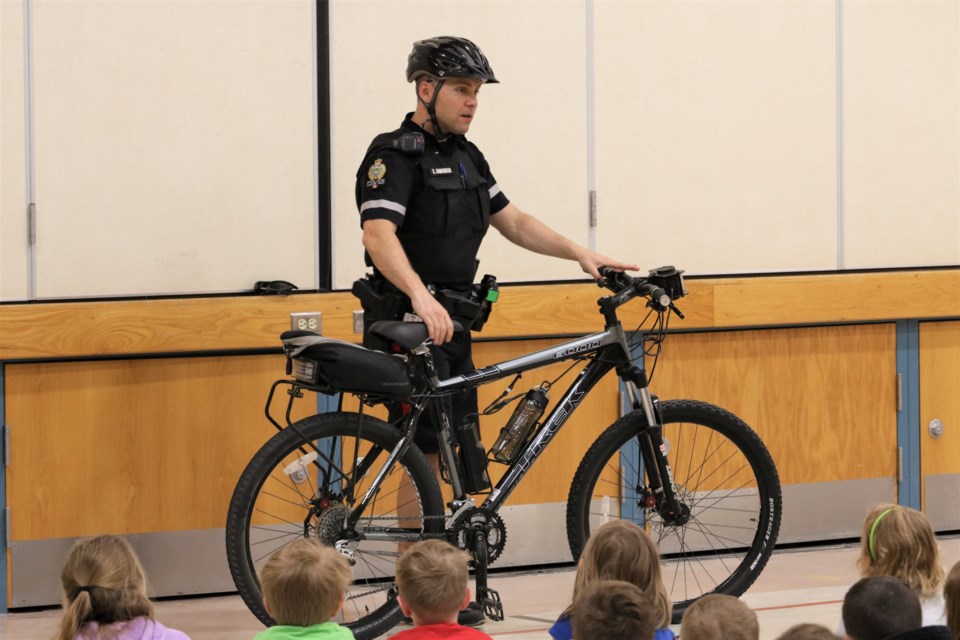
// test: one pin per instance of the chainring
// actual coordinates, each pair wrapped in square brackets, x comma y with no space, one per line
[471,519]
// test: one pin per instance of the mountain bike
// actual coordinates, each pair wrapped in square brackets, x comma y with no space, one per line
[694,476]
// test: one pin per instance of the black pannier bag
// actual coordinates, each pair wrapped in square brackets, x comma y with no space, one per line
[341,366]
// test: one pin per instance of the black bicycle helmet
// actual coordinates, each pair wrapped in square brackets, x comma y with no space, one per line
[448,57]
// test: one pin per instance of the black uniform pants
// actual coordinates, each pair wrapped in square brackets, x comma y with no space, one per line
[450,359]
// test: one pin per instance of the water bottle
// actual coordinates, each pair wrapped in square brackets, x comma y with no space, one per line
[518,427]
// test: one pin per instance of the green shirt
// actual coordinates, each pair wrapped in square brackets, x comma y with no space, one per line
[322,631]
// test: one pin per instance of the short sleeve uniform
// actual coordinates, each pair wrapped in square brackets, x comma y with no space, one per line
[441,200]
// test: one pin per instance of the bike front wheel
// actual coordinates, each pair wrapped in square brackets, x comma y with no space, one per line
[305,481]
[725,480]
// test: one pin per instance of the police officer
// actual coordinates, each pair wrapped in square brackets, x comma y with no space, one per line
[427,197]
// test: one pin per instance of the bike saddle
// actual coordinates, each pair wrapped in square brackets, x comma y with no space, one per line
[408,335]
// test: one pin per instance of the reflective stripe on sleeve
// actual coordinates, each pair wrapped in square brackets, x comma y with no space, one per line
[494,190]
[383,204]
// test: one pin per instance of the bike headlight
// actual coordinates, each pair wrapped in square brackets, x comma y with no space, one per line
[305,370]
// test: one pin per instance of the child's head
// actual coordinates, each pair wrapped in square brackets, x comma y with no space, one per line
[880,606]
[899,542]
[951,594]
[808,631]
[719,617]
[432,581]
[304,583]
[613,609]
[620,550]
[102,582]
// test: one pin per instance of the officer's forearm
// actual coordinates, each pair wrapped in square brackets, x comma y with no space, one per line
[533,235]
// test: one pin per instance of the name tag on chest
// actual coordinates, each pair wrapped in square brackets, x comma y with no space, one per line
[441,171]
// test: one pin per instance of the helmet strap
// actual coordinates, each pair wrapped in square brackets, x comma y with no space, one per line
[432,111]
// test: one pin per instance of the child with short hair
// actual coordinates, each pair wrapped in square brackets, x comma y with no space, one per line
[304,584]
[613,610]
[951,595]
[808,631]
[899,542]
[620,550]
[880,606]
[105,594]
[432,589]
[719,617]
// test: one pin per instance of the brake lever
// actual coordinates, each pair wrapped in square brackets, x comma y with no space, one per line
[673,308]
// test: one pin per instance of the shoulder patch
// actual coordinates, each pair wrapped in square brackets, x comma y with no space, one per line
[376,174]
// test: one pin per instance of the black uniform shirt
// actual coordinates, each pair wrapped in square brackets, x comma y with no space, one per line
[441,200]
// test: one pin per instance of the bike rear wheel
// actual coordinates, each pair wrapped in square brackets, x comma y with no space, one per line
[722,473]
[284,494]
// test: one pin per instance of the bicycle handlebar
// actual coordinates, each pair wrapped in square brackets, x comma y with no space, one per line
[662,286]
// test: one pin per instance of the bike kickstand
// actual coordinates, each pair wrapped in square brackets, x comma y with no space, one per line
[487,598]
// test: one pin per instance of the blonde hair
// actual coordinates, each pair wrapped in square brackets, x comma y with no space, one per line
[102,582]
[899,542]
[951,594]
[613,609]
[303,582]
[620,550]
[719,617]
[432,579]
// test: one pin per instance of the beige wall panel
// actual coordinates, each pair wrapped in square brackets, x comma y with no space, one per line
[531,127]
[143,445]
[175,146]
[822,399]
[13,155]
[939,397]
[902,133]
[716,134]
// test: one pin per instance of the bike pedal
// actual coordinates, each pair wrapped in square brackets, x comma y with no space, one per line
[489,599]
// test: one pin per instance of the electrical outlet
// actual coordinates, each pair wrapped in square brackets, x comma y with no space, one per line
[306,321]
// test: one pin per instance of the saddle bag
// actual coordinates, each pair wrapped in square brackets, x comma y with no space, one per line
[335,365]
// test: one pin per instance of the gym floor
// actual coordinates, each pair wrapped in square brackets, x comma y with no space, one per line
[798,585]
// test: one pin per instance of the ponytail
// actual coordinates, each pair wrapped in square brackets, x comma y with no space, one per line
[76,611]
[102,582]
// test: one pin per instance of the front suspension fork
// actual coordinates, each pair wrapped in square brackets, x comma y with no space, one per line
[653,450]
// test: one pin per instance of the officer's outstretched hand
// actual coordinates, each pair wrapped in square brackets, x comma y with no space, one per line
[590,261]
[439,324]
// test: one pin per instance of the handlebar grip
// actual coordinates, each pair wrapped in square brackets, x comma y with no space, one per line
[656,295]
[614,279]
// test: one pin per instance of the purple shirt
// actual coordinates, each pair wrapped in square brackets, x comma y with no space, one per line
[136,629]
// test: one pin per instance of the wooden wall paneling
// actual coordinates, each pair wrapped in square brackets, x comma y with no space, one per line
[78,329]
[134,445]
[823,399]
[83,329]
[940,396]
[854,297]
[550,477]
